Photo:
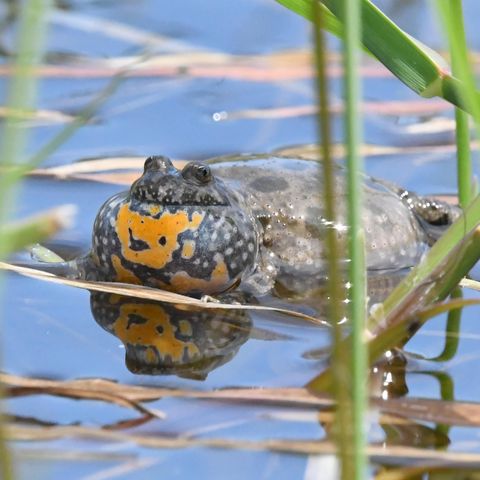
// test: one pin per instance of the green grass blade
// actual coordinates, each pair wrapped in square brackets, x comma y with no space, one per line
[416,65]
[397,50]
[451,13]
[464,87]
[401,332]
[404,56]
[36,229]
[459,54]
[304,8]
[464,158]
[20,99]
[336,311]
[21,96]
[356,238]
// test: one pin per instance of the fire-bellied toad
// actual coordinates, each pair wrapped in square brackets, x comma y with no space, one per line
[257,220]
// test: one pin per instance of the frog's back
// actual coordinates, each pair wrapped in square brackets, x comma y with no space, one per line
[284,193]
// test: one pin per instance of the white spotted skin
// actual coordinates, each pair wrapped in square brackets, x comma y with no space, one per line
[175,231]
[285,195]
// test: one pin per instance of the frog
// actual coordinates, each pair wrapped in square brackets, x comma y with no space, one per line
[252,221]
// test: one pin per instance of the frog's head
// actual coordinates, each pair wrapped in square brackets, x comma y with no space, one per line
[194,186]
[182,230]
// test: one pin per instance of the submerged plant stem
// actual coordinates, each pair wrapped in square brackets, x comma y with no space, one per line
[452,332]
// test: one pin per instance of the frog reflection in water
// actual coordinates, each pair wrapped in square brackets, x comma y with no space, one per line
[251,220]
[165,339]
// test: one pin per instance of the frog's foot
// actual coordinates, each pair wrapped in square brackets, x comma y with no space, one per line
[436,212]
[435,215]
[235,298]
[262,280]
[209,299]
[40,253]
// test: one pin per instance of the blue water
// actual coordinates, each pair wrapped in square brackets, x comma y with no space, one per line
[48,330]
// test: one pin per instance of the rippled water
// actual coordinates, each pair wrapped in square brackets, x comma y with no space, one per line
[49,330]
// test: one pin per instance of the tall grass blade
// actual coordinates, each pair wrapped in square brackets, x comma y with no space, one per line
[335,310]
[36,229]
[415,64]
[464,157]
[451,13]
[356,238]
[21,100]
[21,96]
[304,8]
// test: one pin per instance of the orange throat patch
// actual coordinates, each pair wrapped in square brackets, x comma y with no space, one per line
[159,234]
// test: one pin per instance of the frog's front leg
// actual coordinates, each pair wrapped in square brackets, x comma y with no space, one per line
[40,253]
[262,280]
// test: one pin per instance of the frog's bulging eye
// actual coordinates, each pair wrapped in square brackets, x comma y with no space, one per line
[198,172]
[157,163]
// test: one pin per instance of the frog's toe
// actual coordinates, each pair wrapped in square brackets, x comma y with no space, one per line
[435,215]
[261,281]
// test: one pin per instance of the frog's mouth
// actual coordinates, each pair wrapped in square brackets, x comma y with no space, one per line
[193,201]
[185,203]
[169,192]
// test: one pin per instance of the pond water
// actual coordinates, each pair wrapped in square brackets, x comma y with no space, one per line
[242,97]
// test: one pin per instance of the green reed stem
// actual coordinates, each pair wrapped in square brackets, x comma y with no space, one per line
[464,158]
[21,96]
[459,55]
[340,364]
[451,14]
[21,100]
[356,239]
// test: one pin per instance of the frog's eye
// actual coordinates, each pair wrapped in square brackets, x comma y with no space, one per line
[198,172]
[157,163]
